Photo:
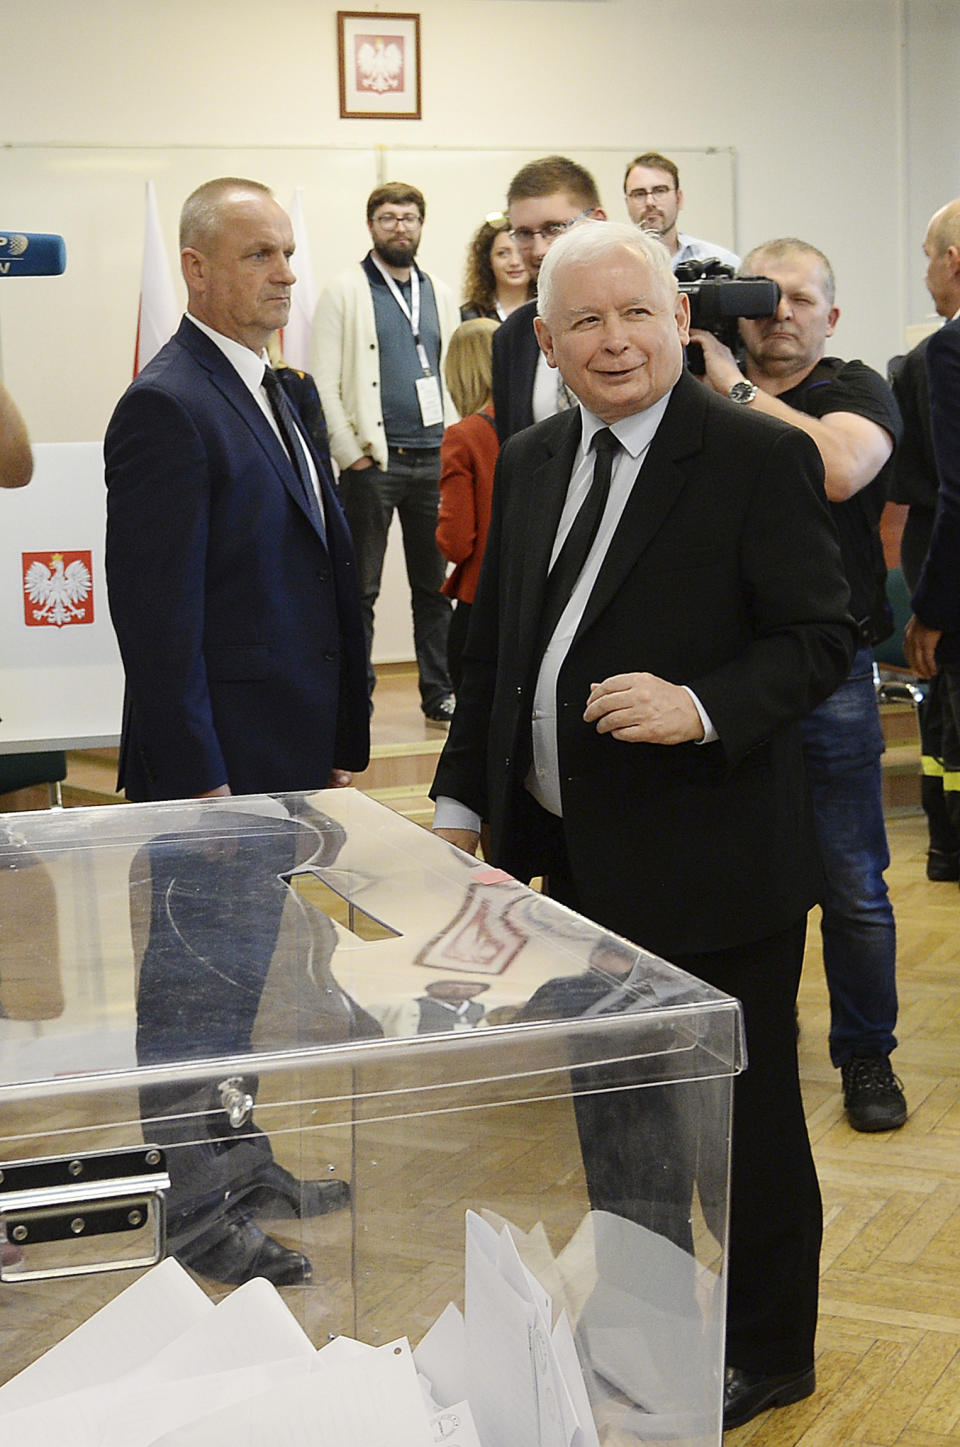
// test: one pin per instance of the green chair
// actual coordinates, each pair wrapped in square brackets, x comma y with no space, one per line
[24,771]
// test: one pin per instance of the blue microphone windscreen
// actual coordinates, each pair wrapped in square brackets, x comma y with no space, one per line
[24,253]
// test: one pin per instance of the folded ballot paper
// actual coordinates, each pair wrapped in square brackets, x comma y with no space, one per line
[611,1332]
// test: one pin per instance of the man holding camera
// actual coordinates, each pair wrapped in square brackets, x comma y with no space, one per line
[852,416]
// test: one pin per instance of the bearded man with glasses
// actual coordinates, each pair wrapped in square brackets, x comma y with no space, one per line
[651,186]
[379,333]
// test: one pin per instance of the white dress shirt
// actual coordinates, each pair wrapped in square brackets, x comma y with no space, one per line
[250,368]
[635,435]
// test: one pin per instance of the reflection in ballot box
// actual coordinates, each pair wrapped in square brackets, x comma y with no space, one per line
[439,1108]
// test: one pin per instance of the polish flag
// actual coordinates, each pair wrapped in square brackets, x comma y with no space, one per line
[159,314]
[297,332]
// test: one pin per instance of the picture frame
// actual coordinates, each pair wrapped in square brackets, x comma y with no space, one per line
[379,62]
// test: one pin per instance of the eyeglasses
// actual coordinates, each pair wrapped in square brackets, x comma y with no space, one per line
[387,221]
[656,193]
[524,235]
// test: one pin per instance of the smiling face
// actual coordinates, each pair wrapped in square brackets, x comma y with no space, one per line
[615,332]
[791,342]
[532,216]
[239,282]
[506,262]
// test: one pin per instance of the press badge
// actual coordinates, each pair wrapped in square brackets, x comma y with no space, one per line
[431,404]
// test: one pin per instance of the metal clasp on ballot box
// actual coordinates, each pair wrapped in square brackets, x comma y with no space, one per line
[75,1215]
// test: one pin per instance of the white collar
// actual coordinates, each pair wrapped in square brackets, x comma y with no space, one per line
[247,363]
[634,433]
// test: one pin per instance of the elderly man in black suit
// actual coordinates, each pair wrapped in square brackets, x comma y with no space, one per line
[662,598]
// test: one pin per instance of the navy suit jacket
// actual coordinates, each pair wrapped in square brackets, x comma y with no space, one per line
[724,574]
[936,601]
[516,352]
[239,627]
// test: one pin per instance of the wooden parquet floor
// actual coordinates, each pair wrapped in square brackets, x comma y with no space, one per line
[888,1345]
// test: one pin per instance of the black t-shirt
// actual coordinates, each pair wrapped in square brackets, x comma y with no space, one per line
[838,386]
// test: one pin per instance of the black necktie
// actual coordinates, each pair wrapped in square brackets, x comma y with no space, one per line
[291,437]
[563,576]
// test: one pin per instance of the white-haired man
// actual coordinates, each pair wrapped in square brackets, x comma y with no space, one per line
[626,723]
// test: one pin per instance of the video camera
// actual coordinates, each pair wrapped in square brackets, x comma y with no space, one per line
[718,299]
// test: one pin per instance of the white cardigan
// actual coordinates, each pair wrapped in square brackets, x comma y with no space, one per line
[346,365]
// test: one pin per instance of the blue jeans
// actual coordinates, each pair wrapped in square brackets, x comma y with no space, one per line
[842,747]
[411,484]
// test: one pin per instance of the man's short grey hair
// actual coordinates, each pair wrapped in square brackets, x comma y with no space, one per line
[945,227]
[783,247]
[200,217]
[591,241]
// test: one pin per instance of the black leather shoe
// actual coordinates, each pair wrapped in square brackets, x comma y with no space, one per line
[943,867]
[274,1192]
[235,1250]
[745,1394]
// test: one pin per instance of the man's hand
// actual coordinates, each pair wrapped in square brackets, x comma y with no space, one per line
[222,791]
[466,839]
[360,464]
[643,709]
[920,647]
[340,779]
[719,363]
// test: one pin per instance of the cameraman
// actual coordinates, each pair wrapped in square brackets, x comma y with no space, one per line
[16,459]
[852,416]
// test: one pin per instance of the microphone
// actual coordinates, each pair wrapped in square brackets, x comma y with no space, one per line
[23,253]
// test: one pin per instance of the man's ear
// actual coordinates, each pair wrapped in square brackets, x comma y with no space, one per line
[833,316]
[682,313]
[193,264]
[545,338]
[953,259]
[679,199]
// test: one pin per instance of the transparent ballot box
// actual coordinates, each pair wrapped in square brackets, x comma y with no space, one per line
[297,1055]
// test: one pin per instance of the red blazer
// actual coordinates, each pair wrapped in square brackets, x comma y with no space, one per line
[468,456]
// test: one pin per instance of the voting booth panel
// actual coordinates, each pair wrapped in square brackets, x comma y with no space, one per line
[530,1119]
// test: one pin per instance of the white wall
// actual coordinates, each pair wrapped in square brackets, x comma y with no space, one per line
[835,110]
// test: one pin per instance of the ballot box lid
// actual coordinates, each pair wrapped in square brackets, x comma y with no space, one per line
[181,941]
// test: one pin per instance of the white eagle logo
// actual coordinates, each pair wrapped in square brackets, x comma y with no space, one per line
[380,65]
[58,592]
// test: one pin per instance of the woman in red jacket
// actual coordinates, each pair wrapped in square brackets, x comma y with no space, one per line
[468,455]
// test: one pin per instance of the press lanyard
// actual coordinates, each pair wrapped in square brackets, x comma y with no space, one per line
[412,312]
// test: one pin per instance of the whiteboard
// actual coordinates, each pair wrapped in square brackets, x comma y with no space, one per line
[68,342]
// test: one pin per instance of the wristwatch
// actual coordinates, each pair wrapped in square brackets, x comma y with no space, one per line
[742,392]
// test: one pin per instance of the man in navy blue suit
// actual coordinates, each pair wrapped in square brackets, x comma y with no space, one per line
[230,571]
[232,586]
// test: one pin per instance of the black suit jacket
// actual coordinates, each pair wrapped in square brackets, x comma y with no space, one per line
[724,574]
[914,476]
[515,355]
[936,601]
[239,627]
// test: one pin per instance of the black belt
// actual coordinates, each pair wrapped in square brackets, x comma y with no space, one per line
[413,451]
